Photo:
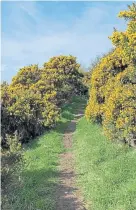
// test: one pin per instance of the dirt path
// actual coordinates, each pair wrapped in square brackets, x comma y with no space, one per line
[68,196]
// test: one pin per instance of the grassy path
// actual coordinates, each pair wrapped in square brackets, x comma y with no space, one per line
[33,182]
[75,155]
[68,195]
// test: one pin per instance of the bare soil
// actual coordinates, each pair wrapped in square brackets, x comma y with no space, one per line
[68,195]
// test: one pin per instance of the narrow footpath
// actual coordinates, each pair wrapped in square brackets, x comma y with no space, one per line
[68,195]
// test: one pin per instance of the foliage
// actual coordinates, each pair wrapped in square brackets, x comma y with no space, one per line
[86,79]
[32,184]
[88,73]
[63,72]
[113,85]
[32,102]
[14,144]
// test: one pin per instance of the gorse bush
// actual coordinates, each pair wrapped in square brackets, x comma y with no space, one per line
[13,143]
[32,102]
[88,74]
[62,73]
[113,84]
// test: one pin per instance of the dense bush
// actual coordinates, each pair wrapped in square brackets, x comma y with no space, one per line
[113,85]
[32,102]
[26,111]
[63,72]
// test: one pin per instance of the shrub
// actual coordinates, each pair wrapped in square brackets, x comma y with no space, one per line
[32,102]
[113,85]
[13,142]
[64,74]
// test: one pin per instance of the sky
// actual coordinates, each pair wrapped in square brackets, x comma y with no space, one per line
[34,31]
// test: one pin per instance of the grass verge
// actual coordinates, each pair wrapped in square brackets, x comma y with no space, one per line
[107,171]
[32,182]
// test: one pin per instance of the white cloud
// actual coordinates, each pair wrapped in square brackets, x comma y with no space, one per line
[85,38]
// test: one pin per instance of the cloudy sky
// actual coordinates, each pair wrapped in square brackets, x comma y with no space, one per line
[32,32]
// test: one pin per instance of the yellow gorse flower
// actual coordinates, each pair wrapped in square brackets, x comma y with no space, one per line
[113,84]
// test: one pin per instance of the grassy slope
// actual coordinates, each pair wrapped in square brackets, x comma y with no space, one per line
[34,183]
[107,171]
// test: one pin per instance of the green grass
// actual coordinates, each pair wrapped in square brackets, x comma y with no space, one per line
[33,182]
[107,171]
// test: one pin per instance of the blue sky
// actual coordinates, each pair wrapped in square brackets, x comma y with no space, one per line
[33,31]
